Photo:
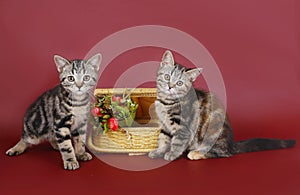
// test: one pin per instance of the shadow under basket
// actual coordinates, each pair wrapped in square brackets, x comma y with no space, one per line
[142,137]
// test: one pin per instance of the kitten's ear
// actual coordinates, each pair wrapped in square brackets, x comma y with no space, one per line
[167,58]
[60,63]
[194,73]
[95,61]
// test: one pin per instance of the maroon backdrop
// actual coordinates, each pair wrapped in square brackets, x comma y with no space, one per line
[254,42]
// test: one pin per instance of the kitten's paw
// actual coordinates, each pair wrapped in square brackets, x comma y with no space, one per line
[195,155]
[84,157]
[19,148]
[155,154]
[71,165]
[170,156]
[13,152]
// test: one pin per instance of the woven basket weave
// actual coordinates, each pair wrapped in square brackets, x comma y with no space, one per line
[141,138]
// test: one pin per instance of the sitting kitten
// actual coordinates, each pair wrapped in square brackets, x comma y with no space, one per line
[61,113]
[195,121]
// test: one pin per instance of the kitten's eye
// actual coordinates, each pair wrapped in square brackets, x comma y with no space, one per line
[167,77]
[179,83]
[71,78]
[86,78]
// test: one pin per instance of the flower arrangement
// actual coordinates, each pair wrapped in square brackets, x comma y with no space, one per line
[113,112]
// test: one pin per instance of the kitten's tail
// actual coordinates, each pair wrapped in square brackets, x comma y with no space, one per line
[259,144]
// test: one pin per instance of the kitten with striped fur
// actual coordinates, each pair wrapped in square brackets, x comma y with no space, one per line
[194,121]
[60,114]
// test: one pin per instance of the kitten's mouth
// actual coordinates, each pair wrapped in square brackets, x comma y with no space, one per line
[79,92]
[171,91]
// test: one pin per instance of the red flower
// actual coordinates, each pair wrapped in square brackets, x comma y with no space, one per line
[96,111]
[112,123]
[116,98]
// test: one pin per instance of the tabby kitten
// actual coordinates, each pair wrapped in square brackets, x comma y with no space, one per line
[194,121]
[61,113]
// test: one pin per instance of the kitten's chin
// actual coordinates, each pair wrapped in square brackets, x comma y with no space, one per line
[171,92]
[78,93]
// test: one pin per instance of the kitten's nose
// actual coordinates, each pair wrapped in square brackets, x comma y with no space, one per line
[79,84]
[171,85]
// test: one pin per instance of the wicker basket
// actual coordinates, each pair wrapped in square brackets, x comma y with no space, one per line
[141,137]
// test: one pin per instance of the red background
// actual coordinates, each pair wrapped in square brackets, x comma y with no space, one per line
[254,42]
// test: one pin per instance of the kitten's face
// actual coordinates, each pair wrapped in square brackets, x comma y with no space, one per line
[175,80]
[78,76]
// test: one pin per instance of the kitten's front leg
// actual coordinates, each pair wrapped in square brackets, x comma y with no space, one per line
[163,146]
[79,137]
[65,147]
[64,143]
[179,144]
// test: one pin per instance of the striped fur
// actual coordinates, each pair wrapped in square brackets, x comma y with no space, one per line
[195,121]
[60,114]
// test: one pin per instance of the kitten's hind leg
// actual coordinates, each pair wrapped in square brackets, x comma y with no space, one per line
[163,146]
[196,155]
[19,148]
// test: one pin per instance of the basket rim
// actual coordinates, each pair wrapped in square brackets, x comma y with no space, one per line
[135,92]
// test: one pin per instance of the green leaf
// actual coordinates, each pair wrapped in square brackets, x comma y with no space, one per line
[106,116]
[105,126]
